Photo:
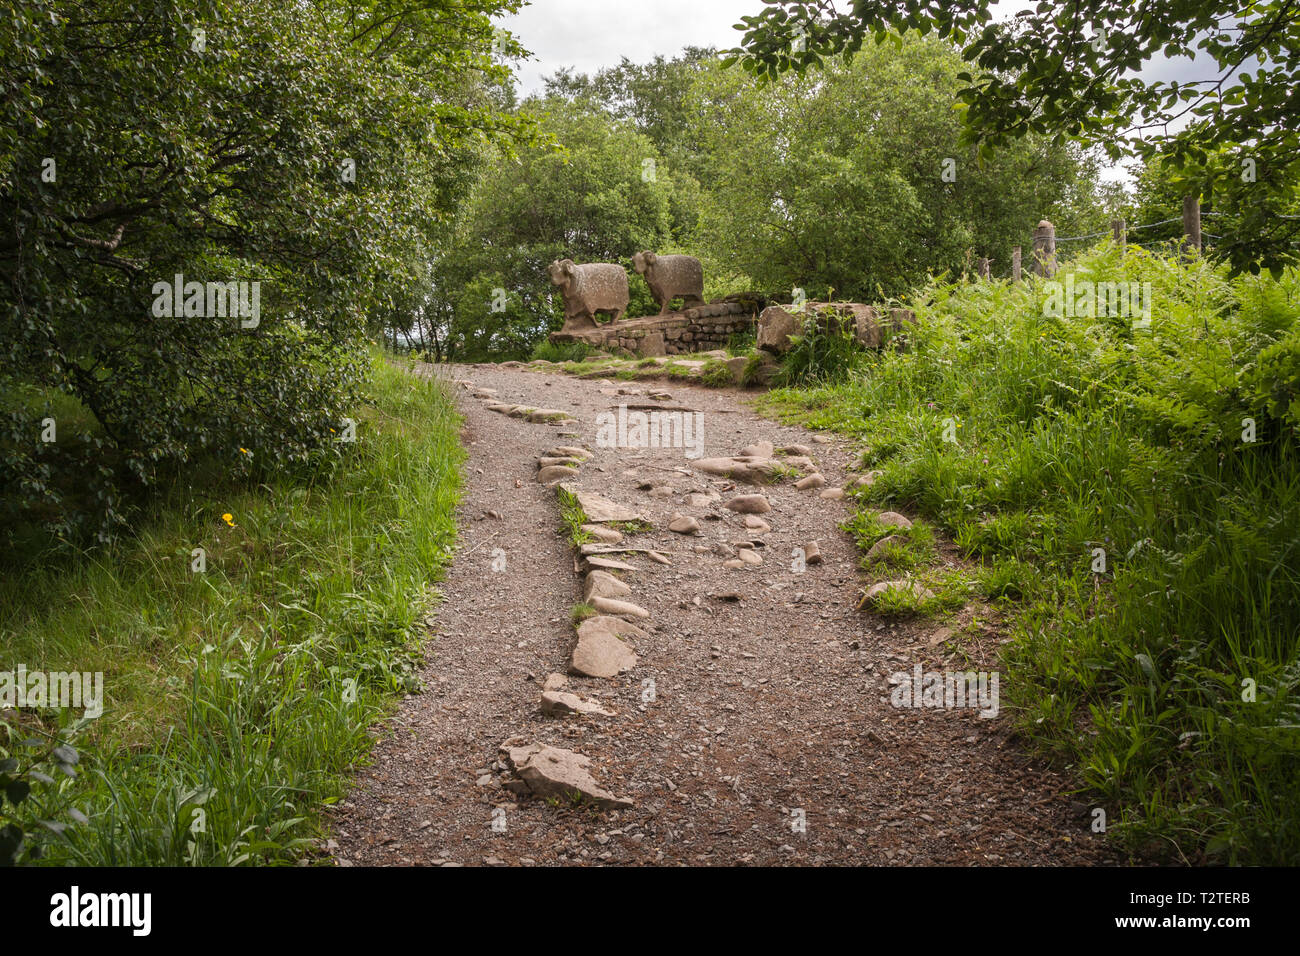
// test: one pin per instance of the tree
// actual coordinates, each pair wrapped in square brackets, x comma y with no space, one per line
[304,153]
[1070,70]
[654,98]
[601,196]
[853,179]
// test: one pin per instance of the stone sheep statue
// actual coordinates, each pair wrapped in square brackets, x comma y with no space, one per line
[589,289]
[671,277]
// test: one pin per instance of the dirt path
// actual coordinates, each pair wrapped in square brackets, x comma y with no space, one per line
[769,737]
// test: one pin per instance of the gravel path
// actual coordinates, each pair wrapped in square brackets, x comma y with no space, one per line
[757,731]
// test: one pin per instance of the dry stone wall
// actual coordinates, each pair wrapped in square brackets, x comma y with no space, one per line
[698,329]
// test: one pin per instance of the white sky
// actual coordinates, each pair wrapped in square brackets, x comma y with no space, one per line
[590,34]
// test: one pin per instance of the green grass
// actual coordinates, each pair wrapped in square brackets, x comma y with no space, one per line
[716,374]
[825,353]
[239,698]
[566,352]
[572,518]
[913,549]
[1076,433]
[740,344]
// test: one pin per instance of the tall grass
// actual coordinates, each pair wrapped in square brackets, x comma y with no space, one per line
[238,697]
[565,352]
[1169,681]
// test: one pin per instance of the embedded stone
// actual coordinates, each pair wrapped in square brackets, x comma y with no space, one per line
[893,519]
[683,524]
[553,473]
[600,651]
[749,505]
[617,608]
[553,772]
[603,584]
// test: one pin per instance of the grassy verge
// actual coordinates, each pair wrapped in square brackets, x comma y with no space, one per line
[238,696]
[1133,495]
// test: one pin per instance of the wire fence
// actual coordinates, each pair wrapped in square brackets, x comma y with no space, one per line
[1042,253]
[1095,235]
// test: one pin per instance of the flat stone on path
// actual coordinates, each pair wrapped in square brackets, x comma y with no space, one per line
[552,772]
[762,449]
[600,509]
[749,505]
[553,473]
[600,652]
[756,524]
[603,534]
[542,416]
[603,584]
[810,481]
[699,500]
[616,607]
[753,470]
[559,703]
[569,451]
[607,564]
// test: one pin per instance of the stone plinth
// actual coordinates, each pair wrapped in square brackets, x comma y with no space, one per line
[698,329]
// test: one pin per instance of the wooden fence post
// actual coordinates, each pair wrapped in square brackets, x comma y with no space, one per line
[1044,263]
[1192,222]
[1121,236]
[984,269]
[1015,264]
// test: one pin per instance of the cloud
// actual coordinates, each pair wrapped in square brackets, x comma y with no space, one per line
[590,34]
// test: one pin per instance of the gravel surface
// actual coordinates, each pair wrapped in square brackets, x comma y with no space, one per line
[757,731]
